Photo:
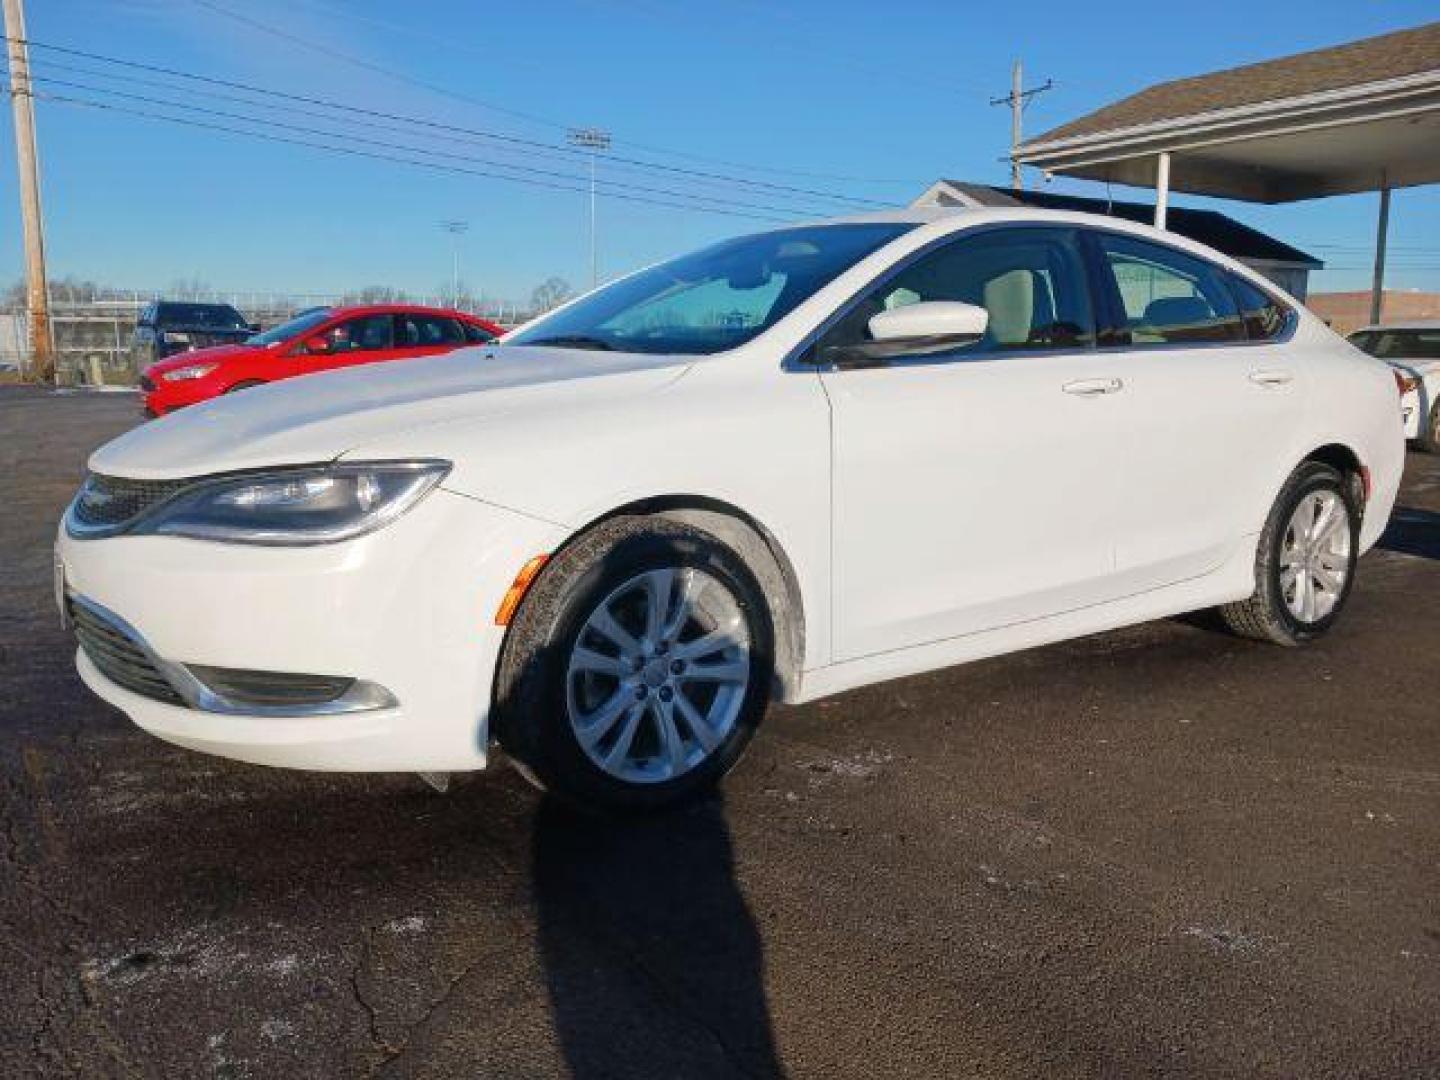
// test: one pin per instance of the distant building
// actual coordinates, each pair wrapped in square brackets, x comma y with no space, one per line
[1346,311]
[1286,266]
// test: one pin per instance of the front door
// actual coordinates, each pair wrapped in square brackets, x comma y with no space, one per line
[979,488]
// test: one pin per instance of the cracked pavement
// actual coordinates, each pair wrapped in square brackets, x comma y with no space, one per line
[1160,851]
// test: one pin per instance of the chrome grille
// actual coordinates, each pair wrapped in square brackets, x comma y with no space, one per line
[113,500]
[121,658]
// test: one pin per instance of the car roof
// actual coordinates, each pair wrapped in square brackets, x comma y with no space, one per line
[1403,324]
[400,309]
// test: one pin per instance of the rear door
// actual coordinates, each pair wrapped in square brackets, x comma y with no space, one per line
[1216,405]
[419,335]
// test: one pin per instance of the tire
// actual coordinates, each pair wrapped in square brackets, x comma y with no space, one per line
[1270,614]
[566,668]
[246,385]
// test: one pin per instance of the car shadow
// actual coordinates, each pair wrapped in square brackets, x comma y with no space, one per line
[1413,532]
[652,958]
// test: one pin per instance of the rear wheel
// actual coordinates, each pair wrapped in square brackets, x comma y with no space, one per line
[637,668]
[1304,561]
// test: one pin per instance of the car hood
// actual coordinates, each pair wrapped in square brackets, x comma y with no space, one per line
[201,356]
[320,417]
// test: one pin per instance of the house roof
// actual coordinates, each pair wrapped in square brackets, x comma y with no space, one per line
[1356,117]
[1390,56]
[1208,227]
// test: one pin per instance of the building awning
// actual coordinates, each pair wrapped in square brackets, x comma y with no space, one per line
[1358,117]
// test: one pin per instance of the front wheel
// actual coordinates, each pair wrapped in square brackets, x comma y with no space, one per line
[637,668]
[1304,561]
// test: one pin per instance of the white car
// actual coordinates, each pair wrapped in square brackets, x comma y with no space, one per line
[790,464]
[1413,350]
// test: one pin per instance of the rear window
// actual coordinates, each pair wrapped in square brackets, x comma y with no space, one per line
[1167,296]
[1399,344]
[214,316]
[1265,317]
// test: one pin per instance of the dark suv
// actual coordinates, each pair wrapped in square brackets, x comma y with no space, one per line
[167,327]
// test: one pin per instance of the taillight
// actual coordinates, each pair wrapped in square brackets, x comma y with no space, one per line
[1404,383]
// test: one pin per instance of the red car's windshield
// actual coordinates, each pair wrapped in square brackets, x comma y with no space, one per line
[294,328]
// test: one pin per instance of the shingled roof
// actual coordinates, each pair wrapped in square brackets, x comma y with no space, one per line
[1373,60]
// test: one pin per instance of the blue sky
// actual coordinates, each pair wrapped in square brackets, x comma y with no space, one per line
[888,96]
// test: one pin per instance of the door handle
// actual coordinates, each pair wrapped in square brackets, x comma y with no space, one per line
[1093,387]
[1273,377]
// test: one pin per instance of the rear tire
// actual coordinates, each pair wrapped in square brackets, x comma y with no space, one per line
[1304,560]
[637,668]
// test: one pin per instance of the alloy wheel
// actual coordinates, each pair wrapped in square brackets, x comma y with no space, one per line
[658,674]
[1315,555]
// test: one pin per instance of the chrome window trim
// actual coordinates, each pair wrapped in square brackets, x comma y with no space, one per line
[791,362]
[361,696]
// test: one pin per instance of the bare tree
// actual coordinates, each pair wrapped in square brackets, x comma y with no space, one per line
[377,294]
[191,288]
[550,293]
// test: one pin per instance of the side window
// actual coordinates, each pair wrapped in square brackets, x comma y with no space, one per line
[365,334]
[1265,317]
[426,331]
[1030,280]
[477,335]
[1167,296]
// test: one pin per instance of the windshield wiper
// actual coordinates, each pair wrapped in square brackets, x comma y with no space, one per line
[573,341]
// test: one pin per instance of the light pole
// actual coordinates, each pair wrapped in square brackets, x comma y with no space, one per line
[594,140]
[455,227]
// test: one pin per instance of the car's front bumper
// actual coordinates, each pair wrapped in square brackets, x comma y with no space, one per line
[409,608]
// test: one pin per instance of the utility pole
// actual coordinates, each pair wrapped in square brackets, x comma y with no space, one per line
[38,300]
[594,140]
[455,227]
[1017,99]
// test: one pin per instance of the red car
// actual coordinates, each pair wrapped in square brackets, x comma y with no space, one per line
[318,340]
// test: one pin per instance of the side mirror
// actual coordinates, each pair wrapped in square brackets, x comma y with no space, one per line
[319,345]
[922,329]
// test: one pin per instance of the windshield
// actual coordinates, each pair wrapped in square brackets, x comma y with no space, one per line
[295,327]
[716,298]
[212,316]
[1399,344]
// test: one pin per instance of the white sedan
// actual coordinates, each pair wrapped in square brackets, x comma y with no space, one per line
[1413,350]
[786,465]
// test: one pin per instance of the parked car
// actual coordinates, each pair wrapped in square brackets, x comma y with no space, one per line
[1413,350]
[318,339]
[168,327]
[789,464]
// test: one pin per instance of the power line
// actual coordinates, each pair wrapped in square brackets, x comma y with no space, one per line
[610,185]
[445,91]
[393,158]
[452,129]
[539,151]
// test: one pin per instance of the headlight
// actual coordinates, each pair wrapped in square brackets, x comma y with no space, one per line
[194,371]
[301,506]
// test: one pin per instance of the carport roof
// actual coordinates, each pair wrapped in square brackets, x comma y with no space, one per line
[1267,132]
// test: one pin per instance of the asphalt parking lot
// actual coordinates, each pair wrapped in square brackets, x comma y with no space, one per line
[1161,851]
